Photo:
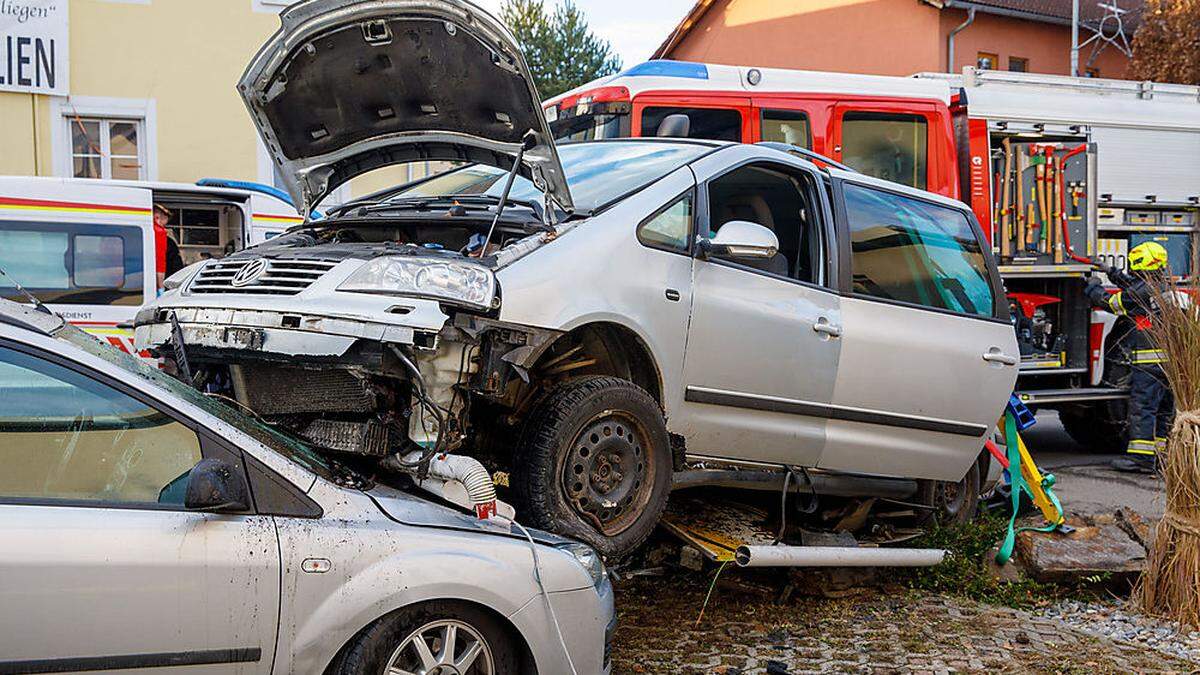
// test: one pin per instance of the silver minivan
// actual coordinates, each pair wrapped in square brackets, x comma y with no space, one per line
[593,318]
[145,525]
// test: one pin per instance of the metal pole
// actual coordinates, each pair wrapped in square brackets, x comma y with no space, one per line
[1074,38]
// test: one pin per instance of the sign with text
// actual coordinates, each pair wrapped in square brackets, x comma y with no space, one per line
[34,41]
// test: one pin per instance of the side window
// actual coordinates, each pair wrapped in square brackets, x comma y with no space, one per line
[65,436]
[917,252]
[786,126]
[778,201]
[670,228]
[718,124]
[886,145]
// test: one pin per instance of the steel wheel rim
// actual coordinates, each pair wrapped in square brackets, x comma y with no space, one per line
[442,647]
[608,475]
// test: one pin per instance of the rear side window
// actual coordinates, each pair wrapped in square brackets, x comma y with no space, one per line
[717,124]
[916,252]
[72,263]
[786,126]
[885,145]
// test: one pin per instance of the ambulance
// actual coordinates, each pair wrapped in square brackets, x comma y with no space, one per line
[87,248]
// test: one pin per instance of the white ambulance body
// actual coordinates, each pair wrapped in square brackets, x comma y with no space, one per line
[87,249]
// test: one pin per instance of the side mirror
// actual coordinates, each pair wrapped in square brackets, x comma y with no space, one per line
[216,486]
[742,239]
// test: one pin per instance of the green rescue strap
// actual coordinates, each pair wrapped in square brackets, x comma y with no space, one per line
[1017,485]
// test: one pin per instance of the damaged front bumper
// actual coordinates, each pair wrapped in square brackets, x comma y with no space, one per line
[319,330]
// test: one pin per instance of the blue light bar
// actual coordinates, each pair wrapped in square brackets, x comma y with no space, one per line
[667,68]
[247,185]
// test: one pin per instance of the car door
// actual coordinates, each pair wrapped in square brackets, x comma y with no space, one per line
[928,356]
[101,565]
[762,353]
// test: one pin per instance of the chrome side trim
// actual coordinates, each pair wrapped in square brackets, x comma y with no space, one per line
[707,396]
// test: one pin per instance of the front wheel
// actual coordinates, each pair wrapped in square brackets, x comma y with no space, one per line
[440,637]
[594,463]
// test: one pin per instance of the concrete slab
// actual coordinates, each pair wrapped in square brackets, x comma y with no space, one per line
[1089,550]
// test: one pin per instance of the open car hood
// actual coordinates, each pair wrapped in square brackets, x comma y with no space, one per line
[348,86]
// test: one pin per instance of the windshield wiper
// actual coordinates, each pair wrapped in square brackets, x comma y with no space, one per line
[424,203]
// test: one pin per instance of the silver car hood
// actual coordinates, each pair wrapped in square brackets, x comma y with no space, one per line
[348,86]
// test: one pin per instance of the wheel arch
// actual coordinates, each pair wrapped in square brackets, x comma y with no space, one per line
[528,665]
[626,354]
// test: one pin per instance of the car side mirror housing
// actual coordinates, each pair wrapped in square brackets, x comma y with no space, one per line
[742,240]
[217,486]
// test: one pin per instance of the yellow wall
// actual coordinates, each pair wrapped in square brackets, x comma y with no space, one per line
[186,56]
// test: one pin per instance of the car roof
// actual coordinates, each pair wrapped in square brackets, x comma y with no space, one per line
[24,316]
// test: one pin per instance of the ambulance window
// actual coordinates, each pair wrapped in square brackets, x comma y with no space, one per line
[72,263]
[786,126]
[716,124]
[886,145]
[99,261]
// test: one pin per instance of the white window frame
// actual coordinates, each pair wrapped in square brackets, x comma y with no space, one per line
[63,111]
[105,140]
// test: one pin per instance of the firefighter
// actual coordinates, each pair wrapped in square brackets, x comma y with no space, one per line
[1151,403]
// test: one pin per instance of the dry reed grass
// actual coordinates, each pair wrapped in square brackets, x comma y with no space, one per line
[1170,586]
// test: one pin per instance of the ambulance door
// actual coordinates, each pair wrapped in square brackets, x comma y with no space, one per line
[269,217]
[84,248]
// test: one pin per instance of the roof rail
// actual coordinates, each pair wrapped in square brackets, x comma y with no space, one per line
[800,151]
[249,186]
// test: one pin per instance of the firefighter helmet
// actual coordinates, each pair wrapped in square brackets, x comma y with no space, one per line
[1147,256]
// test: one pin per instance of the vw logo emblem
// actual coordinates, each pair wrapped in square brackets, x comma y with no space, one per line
[249,273]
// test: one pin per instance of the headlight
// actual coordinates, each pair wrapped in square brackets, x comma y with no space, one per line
[448,280]
[587,558]
[176,280]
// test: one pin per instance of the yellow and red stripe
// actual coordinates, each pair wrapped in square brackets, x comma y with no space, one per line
[269,218]
[19,204]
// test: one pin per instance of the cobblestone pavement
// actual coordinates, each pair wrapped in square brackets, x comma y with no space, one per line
[875,631]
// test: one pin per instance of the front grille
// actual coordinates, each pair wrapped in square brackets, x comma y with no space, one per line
[281,277]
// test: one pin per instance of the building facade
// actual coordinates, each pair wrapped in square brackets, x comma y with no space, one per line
[150,94]
[898,37]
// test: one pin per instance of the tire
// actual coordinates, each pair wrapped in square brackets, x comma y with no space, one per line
[953,503]
[378,646]
[594,463]
[1101,427]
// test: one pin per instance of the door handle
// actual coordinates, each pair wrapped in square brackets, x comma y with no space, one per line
[672,294]
[996,356]
[823,327]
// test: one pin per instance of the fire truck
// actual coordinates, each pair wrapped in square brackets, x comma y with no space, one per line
[1062,173]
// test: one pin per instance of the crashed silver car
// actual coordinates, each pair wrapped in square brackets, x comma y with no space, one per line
[586,319]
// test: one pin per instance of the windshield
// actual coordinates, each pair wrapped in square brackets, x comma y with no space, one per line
[598,173]
[279,441]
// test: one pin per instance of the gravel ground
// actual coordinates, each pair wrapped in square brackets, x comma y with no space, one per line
[890,630]
[1118,622]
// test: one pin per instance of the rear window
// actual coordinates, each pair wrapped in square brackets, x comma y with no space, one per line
[716,124]
[80,264]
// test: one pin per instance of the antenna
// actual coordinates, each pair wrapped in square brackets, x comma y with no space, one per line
[29,296]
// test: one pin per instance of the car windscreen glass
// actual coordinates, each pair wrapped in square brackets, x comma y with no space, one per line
[598,173]
[279,441]
[72,263]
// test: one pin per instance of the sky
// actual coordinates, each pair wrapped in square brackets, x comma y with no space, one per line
[635,28]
